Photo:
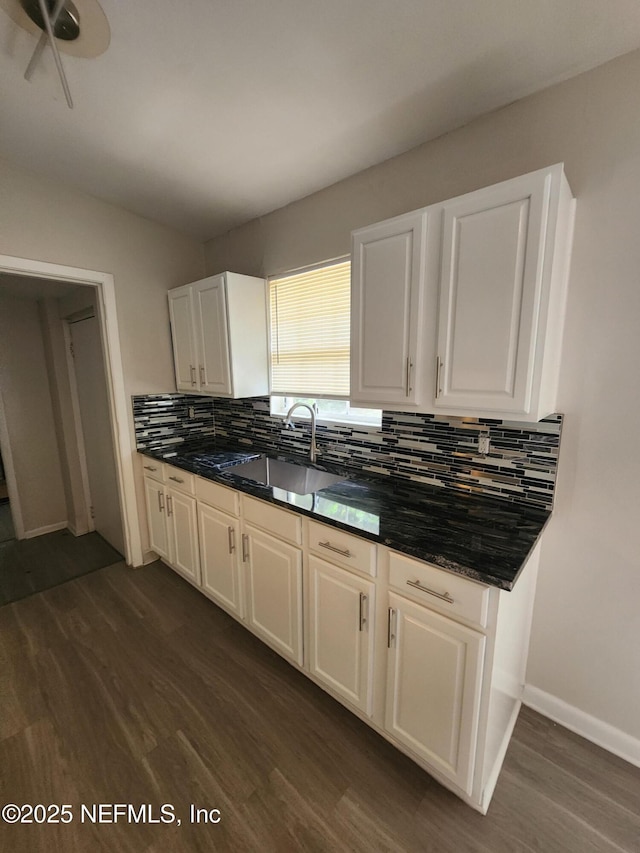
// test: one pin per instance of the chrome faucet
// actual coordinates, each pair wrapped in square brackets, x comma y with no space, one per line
[313,411]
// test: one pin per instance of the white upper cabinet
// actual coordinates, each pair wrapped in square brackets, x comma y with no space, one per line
[210,315]
[387,282]
[458,308]
[501,297]
[219,332]
[185,359]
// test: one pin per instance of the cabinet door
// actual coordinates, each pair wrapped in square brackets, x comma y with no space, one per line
[433,688]
[156,517]
[183,339]
[212,335]
[493,243]
[274,591]
[219,543]
[183,534]
[342,607]
[386,289]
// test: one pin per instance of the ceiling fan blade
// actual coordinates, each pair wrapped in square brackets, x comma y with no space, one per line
[37,53]
[54,47]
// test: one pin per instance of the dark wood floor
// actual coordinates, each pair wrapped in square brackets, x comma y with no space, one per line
[33,565]
[6,522]
[130,687]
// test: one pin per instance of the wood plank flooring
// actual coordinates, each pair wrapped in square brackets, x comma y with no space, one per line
[6,522]
[128,686]
[32,565]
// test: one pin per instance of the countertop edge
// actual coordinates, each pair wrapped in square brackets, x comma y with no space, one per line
[222,474]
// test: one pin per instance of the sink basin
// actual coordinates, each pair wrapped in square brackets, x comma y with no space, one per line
[285,475]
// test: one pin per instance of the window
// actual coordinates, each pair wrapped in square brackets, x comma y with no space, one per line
[310,342]
[336,411]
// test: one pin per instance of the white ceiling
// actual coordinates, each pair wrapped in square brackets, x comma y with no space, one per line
[205,114]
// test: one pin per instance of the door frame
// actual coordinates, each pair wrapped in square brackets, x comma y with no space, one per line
[10,475]
[124,449]
[77,421]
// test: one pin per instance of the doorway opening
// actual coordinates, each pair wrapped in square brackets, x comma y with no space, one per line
[6,522]
[76,311]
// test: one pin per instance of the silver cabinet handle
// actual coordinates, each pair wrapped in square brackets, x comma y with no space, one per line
[169,505]
[245,547]
[202,377]
[439,366]
[160,501]
[391,636]
[150,467]
[176,479]
[409,368]
[345,552]
[444,596]
[193,374]
[232,539]
[362,620]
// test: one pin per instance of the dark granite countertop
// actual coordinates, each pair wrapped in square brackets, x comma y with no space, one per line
[486,539]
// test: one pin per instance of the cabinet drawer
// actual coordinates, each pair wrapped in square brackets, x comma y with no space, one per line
[219,496]
[152,468]
[180,480]
[342,548]
[277,521]
[440,590]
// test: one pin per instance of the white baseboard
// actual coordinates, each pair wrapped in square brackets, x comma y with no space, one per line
[597,731]
[40,531]
[77,531]
[148,557]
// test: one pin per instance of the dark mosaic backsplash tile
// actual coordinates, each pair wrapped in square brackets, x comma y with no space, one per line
[164,420]
[434,449]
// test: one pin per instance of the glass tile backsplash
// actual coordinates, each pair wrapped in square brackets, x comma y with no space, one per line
[439,450]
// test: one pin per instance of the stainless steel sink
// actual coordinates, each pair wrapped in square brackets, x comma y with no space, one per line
[285,475]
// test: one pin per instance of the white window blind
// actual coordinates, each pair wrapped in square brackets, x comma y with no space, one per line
[310,314]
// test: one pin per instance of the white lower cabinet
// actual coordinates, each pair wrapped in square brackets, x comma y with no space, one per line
[273,575]
[156,517]
[184,553]
[438,672]
[433,687]
[342,610]
[219,543]
[173,527]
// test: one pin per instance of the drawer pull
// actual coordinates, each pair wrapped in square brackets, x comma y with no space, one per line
[232,539]
[192,371]
[245,547]
[150,467]
[160,501]
[344,551]
[362,618]
[169,505]
[176,479]
[443,596]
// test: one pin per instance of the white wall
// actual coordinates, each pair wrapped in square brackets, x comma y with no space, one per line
[66,434]
[24,384]
[49,221]
[586,635]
